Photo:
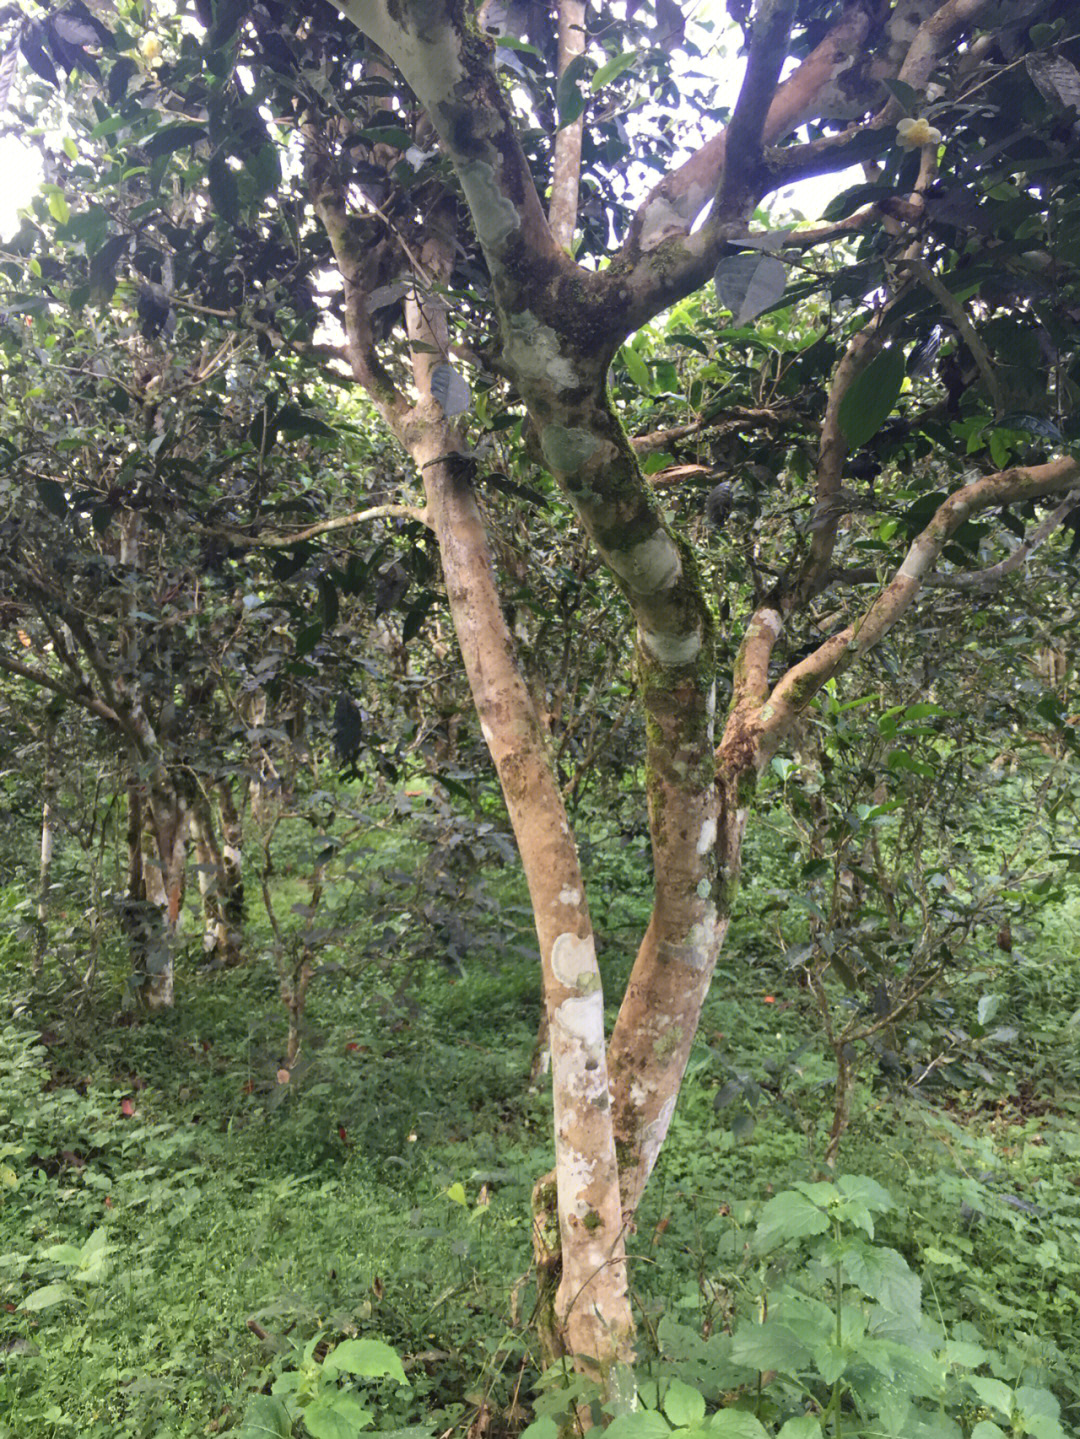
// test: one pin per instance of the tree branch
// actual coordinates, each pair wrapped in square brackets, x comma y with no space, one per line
[983,580]
[769,39]
[322,527]
[956,312]
[863,347]
[737,418]
[88,701]
[349,250]
[672,206]
[796,689]
[566,161]
[934,35]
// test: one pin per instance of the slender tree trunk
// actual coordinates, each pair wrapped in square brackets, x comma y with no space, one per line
[155,891]
[48,841]
[136,874]
[210,869]
[590,1309]
[232,895]
[263,775]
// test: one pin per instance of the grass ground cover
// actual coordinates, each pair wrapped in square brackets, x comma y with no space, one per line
[177,1224]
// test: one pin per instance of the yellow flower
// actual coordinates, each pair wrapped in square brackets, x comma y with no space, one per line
[913,134]
[150,48]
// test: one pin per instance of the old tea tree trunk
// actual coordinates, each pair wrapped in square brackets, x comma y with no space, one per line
[560,325]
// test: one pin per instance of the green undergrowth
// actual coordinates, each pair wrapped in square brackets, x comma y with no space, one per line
[181,1231]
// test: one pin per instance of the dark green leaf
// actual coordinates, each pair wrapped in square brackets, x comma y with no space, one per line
[264,169]
[51,494]
[224,190]
[613,69]
[121,72]
[416,617]
[9,66]
[173,137]
[103,268]
[265,1418]
[308,638]
[569,99]
[871,397]
[905,94]
[33,49]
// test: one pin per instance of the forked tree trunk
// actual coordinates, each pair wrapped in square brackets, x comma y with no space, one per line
[151,911]
[590,1315]
[560,327]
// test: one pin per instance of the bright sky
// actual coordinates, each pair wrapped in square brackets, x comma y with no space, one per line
[20,168]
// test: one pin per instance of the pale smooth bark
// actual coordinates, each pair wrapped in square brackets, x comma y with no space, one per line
[210,872]
[232,861]
[48,840]
[566,161]
[590,1309]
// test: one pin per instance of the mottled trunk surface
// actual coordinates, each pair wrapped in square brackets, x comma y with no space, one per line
[48,841]
[153,924]
[210,874]
[589,1312]
[233,903]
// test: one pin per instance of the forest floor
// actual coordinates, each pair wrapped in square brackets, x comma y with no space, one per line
[183,1222]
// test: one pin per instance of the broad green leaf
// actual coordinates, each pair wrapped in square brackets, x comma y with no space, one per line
[770,1346]
[993,1392]
[682,1405]
[905,94]
[871,397]
[884,1275]
[986,1429]
[637,369]
[1039,1412]
[542,1428]
[336,1416]
[804,1427]
[569,100]
[264,169]
[63,1253]
[370,1358]
[867,1191]
[612,70]
[387,135]
[789,1215]
[989,1005]
[48,1296]
[173,137]
[265,1418]
[639,1424]
[308,638]
[736,1424]
[963,1353]
[58,208]
[748,284]
[224,190]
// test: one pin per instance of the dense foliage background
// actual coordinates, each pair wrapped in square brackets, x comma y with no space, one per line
[298,1199]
